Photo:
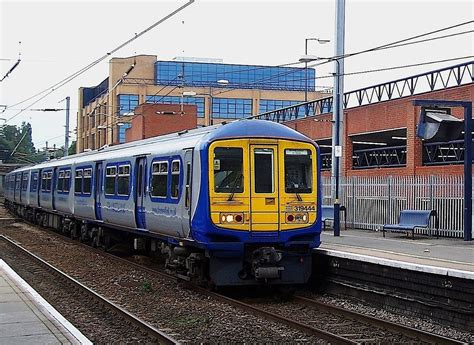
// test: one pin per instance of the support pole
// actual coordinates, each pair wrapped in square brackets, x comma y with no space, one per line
[337,140]
[468,217]
[66,137]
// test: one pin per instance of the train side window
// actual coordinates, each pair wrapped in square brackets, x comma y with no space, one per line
[298,171]
[78,182]
[263,160]
[24,183]
[228,167]
[49,178]
[87,184]
[159,180]
[34,182]
[175,170]
[110,174]
[60,183]
[187,200]
[67,180]
[123,182]
[43,182]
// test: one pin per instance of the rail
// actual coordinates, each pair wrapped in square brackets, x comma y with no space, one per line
[150,330]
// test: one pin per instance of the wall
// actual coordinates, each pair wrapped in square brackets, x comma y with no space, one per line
[147,123]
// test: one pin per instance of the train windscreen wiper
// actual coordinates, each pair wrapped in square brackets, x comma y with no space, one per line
[295,188]
[234,186]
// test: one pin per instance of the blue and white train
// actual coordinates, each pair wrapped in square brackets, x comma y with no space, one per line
[232,204]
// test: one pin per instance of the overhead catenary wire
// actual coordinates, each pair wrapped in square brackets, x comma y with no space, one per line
[92,64]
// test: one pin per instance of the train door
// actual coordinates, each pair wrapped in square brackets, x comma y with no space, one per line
[98,190]
[39,186]
[187,182]
[53,187]
[264,206]
[140,183]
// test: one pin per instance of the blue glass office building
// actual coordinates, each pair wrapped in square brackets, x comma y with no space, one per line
[200,74]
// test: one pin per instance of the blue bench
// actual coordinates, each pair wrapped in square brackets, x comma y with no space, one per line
[409,220]
[327,213]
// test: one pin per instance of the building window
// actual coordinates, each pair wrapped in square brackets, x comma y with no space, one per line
[201,74]
[198,101]
[273,104]
[159,181]
[121,131]
[231,108]
[127,103]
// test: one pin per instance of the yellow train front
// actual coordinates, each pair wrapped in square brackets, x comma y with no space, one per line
[258,209]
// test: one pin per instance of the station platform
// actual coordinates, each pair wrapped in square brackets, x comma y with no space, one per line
[448,257]
[27,318]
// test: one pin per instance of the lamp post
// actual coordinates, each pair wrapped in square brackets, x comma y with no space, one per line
[320,41]
[221,82]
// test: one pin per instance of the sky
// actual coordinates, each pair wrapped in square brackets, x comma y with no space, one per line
[59,38]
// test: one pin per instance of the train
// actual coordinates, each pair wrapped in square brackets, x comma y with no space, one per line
[231,204]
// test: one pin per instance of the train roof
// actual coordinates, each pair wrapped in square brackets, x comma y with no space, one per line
[180,140]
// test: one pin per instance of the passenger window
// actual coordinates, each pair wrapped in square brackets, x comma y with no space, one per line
[111,172]
[263,166]
[123,187]
[228,165]
[60,184]
[298,171]
[48,181]
[159,180]
[67,180]
[78,182]
[187,200]
[175,165]
[87,185]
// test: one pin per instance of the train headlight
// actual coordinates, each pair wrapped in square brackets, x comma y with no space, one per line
[232,218]
[297,217]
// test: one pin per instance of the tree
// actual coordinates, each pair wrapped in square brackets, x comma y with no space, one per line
[16,145]
[72,148]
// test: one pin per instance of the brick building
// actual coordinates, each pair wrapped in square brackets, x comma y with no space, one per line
[151,120]
[380,126]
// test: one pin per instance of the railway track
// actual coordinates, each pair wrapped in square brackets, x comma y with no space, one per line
[343,326]
[41,268]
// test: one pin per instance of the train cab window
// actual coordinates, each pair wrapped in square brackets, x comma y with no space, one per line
[110,174]
[123,181]
[67,180]
[298,171]
[78,181]
[159,180]
[87,184]
[263,167]
[228,165]
[175,167]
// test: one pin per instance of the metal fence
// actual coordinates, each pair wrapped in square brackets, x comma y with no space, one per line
[372,202]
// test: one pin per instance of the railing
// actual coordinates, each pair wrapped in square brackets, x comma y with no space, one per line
[441,153]
[434,80]
[372,202]
[394,156]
